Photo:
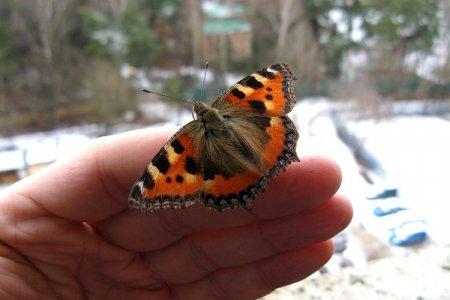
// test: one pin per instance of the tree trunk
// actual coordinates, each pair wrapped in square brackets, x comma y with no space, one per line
[286,17]
[196,24]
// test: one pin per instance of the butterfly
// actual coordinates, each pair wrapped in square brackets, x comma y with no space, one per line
[227,155]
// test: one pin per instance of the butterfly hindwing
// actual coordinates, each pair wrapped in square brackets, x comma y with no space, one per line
[242,188]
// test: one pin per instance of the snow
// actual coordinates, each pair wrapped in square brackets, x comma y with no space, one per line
[318,137]
[11,160]
[415,154]
[45,147]
[175,114]
[413,151]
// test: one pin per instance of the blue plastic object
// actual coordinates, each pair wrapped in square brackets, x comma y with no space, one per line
[388,193]
[409,233]
[379,212]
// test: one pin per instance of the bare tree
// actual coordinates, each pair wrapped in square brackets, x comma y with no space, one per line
[51,19]
[44,26]
[195,23]
[289,12]
[442,71]
[295,40]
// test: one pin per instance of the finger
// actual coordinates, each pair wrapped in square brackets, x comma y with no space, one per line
[303,186]
[200,254]
[260,278]
[93,185]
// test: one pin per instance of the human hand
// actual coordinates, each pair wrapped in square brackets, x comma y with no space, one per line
[67,232]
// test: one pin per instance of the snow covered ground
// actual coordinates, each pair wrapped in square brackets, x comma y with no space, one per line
[419,275]
[415,153]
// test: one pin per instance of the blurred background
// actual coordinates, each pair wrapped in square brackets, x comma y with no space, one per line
[373,93]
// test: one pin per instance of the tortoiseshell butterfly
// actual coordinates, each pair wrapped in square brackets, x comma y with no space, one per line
[226,156]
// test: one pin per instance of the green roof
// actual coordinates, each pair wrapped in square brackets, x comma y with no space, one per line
[222,11]
[219,27]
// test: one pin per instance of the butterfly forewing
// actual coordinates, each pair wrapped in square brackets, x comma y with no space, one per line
[173,177]
[268,91]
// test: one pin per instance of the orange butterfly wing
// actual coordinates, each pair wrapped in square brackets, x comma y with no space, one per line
[172,177]
[268,91]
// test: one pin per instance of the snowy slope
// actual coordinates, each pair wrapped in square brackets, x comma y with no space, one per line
[415,152]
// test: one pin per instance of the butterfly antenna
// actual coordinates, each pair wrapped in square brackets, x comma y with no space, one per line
[162,95]
[203,82]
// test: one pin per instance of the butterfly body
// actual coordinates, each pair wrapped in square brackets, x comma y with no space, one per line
[228,154]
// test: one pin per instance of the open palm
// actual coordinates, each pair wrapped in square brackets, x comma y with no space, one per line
[67,232]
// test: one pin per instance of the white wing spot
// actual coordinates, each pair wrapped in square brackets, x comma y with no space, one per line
[272,70]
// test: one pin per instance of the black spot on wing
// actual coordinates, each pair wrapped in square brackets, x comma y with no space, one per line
[243,196]
[161,162]
[177,147]
[232,197]
[136,192]
[237,93]
[209,199]
[209,171]
[221,202]
[147,179]
[269,97]
[179,179]
[252,82]
[190,165]
[265,73]
[258,106]
[168,179]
